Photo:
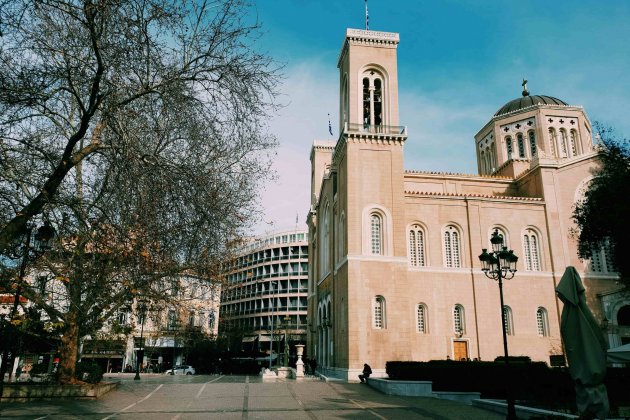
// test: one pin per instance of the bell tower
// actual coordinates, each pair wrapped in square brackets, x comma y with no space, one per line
[368,81]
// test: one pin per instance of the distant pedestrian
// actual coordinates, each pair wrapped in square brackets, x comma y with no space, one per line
[367,371]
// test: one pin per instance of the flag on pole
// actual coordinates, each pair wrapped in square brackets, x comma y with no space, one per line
[329,126]
[367,17]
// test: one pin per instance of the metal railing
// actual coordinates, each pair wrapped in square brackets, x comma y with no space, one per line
[397,130]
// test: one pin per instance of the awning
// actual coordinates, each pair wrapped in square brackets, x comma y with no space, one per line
[266,338]
[101,356]
[249,339]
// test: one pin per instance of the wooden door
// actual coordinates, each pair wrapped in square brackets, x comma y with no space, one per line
[460,350]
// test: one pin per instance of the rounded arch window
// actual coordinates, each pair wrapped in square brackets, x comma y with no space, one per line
[521,146]
[378,315]
[417,241]
[553,142]
[421,318]
[452,247]
[376,234]
[573,141]
[542,322]
[373,99]
[623,316]
[531,250]
[502,232]
[459,324]
[508,320]
[532,143]
[563,143]
[509,148]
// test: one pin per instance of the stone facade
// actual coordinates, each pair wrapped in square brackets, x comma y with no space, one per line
[395,273]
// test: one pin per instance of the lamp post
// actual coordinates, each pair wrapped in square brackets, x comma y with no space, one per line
[500,264]
[287,320]
[273,297]
[140,352]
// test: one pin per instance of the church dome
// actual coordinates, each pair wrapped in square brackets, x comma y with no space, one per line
[528,100]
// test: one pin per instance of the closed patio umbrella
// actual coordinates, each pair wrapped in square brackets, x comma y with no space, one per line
[585,347]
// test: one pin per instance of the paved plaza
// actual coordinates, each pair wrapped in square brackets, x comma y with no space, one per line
[159,397]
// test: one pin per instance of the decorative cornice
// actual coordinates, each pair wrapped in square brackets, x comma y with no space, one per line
[371,38]
[528,108]
[458,174]
[472,195]
[385,139]
[366,138]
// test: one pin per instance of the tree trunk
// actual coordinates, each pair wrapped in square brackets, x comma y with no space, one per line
[69,350]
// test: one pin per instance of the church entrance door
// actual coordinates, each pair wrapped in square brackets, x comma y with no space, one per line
[460,350]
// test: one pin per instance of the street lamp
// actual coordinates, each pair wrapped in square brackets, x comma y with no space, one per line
[23,249]
[500,264]
[287,321]
[141,308]
[273,297]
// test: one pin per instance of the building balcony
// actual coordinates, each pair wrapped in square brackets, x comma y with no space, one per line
[391,130]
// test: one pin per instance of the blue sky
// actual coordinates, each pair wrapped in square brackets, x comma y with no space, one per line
[458,62]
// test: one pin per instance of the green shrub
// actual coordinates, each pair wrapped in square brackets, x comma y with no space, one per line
[39,368]
[529,382]
[89,372]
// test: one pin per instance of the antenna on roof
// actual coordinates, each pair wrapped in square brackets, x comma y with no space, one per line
[524,84]
[367,17]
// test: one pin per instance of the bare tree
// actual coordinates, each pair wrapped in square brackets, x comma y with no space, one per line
[80,78]
[138,129]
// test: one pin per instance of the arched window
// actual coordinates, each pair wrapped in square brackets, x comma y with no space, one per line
[376,234]
[623,316]
[367,103]
[488,160]
[421,318]
[501,232]
[542,322]
[521,146]
[341,237]
[378,319]
[324,246]
[553,143]
[531,250]
[563,143]
[344,101]
[482,159]
[573,142]
[452,247]
[532,143]
[602,258]
[416,246]
[494,156]
[373,95]
[509,321]
[459,325]
[378,102]
[508,147]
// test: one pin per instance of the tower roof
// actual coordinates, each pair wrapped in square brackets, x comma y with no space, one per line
[527,101]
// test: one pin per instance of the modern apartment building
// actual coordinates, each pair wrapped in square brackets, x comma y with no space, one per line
[266,291]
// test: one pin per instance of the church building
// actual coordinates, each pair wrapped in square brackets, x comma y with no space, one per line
[394,268]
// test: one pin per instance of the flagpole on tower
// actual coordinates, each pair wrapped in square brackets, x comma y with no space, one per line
[367,17]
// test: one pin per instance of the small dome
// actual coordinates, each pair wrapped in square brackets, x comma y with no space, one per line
[529,100]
